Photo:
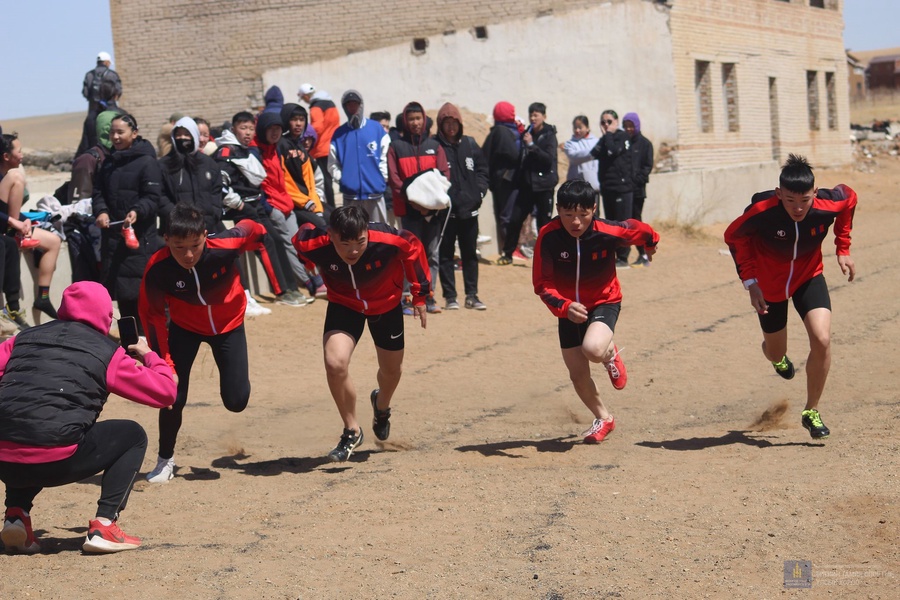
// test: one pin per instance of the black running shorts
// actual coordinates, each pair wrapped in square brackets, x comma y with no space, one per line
[572,334]
[810,295]
[386,328]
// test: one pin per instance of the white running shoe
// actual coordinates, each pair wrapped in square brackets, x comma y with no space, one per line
[254,309]
[164,471]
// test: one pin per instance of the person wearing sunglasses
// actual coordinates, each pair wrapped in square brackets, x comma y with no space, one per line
[615,172]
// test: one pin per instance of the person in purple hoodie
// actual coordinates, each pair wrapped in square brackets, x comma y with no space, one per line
[54,380]
[641,151]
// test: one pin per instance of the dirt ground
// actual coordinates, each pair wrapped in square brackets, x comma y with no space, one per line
[706,488]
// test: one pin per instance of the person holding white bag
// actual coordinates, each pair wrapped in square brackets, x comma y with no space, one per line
[409,156]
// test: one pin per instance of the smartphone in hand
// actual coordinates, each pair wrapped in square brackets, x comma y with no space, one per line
[128,331]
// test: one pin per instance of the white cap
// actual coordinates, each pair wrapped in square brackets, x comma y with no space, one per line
[103,57]
[306,88]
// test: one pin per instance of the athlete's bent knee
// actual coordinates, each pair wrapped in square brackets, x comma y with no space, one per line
[236,401]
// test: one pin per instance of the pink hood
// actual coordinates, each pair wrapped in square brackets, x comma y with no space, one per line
[89,303]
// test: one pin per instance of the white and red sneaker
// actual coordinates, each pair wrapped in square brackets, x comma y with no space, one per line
[616,369]
[105,538]
[17,534]
[599,430]
[131,241]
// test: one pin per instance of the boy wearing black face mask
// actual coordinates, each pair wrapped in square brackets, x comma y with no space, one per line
[191,177]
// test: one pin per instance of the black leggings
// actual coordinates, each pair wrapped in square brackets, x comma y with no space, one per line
[230,353]
[115,447]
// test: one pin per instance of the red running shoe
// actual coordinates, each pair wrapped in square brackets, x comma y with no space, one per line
[131,240]
[616,369]
[26,243]
[17,535]
[105,539]
[599,430]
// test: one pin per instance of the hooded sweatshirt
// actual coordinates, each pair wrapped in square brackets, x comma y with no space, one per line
[274,99]
[87,164]
[274,185]
[581,164]
[299,175]
[641,156]
[468,167]
[325,119]
[192,177]
[411,155]
[358,158]
[502,147]
[73,350]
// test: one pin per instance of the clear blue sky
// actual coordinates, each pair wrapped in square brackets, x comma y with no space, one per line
[52,43]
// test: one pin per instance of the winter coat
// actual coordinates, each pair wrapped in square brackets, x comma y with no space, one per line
[468,168]
[128,180]
[615,168]
[539,161]
[193,179]
[501,150]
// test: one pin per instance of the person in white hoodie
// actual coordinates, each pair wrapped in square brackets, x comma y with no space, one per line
[578,150]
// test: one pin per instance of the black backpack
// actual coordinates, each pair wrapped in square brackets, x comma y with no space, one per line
[96,82]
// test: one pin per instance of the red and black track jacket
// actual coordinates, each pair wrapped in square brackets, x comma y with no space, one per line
[407,157]
[207,299]
[783,254]
[569,269]
[374,285]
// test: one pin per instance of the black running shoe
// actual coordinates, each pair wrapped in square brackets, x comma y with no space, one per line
[813,423]
[381,422]
[349,441]
[785,368]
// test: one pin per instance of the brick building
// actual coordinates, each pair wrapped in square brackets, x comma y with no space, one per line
[884,72]
[730,86]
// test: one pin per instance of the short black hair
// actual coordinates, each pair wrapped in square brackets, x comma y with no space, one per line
[576,193]
[185,220]
[537,107]
[610,111]
[380,115]
[242,117]
[349,222]
[583,119]
[6,140]
[126,118]
[797,175]
[201,121]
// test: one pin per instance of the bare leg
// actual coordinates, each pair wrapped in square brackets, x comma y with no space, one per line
[339,346]
[390,367]
[580,373]
[597,344]
[774,345]
[50,244]
[818,327]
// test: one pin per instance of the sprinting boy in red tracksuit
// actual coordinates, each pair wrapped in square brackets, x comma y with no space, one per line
[777,248]
[574,273]
[197,279]
[363,265]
